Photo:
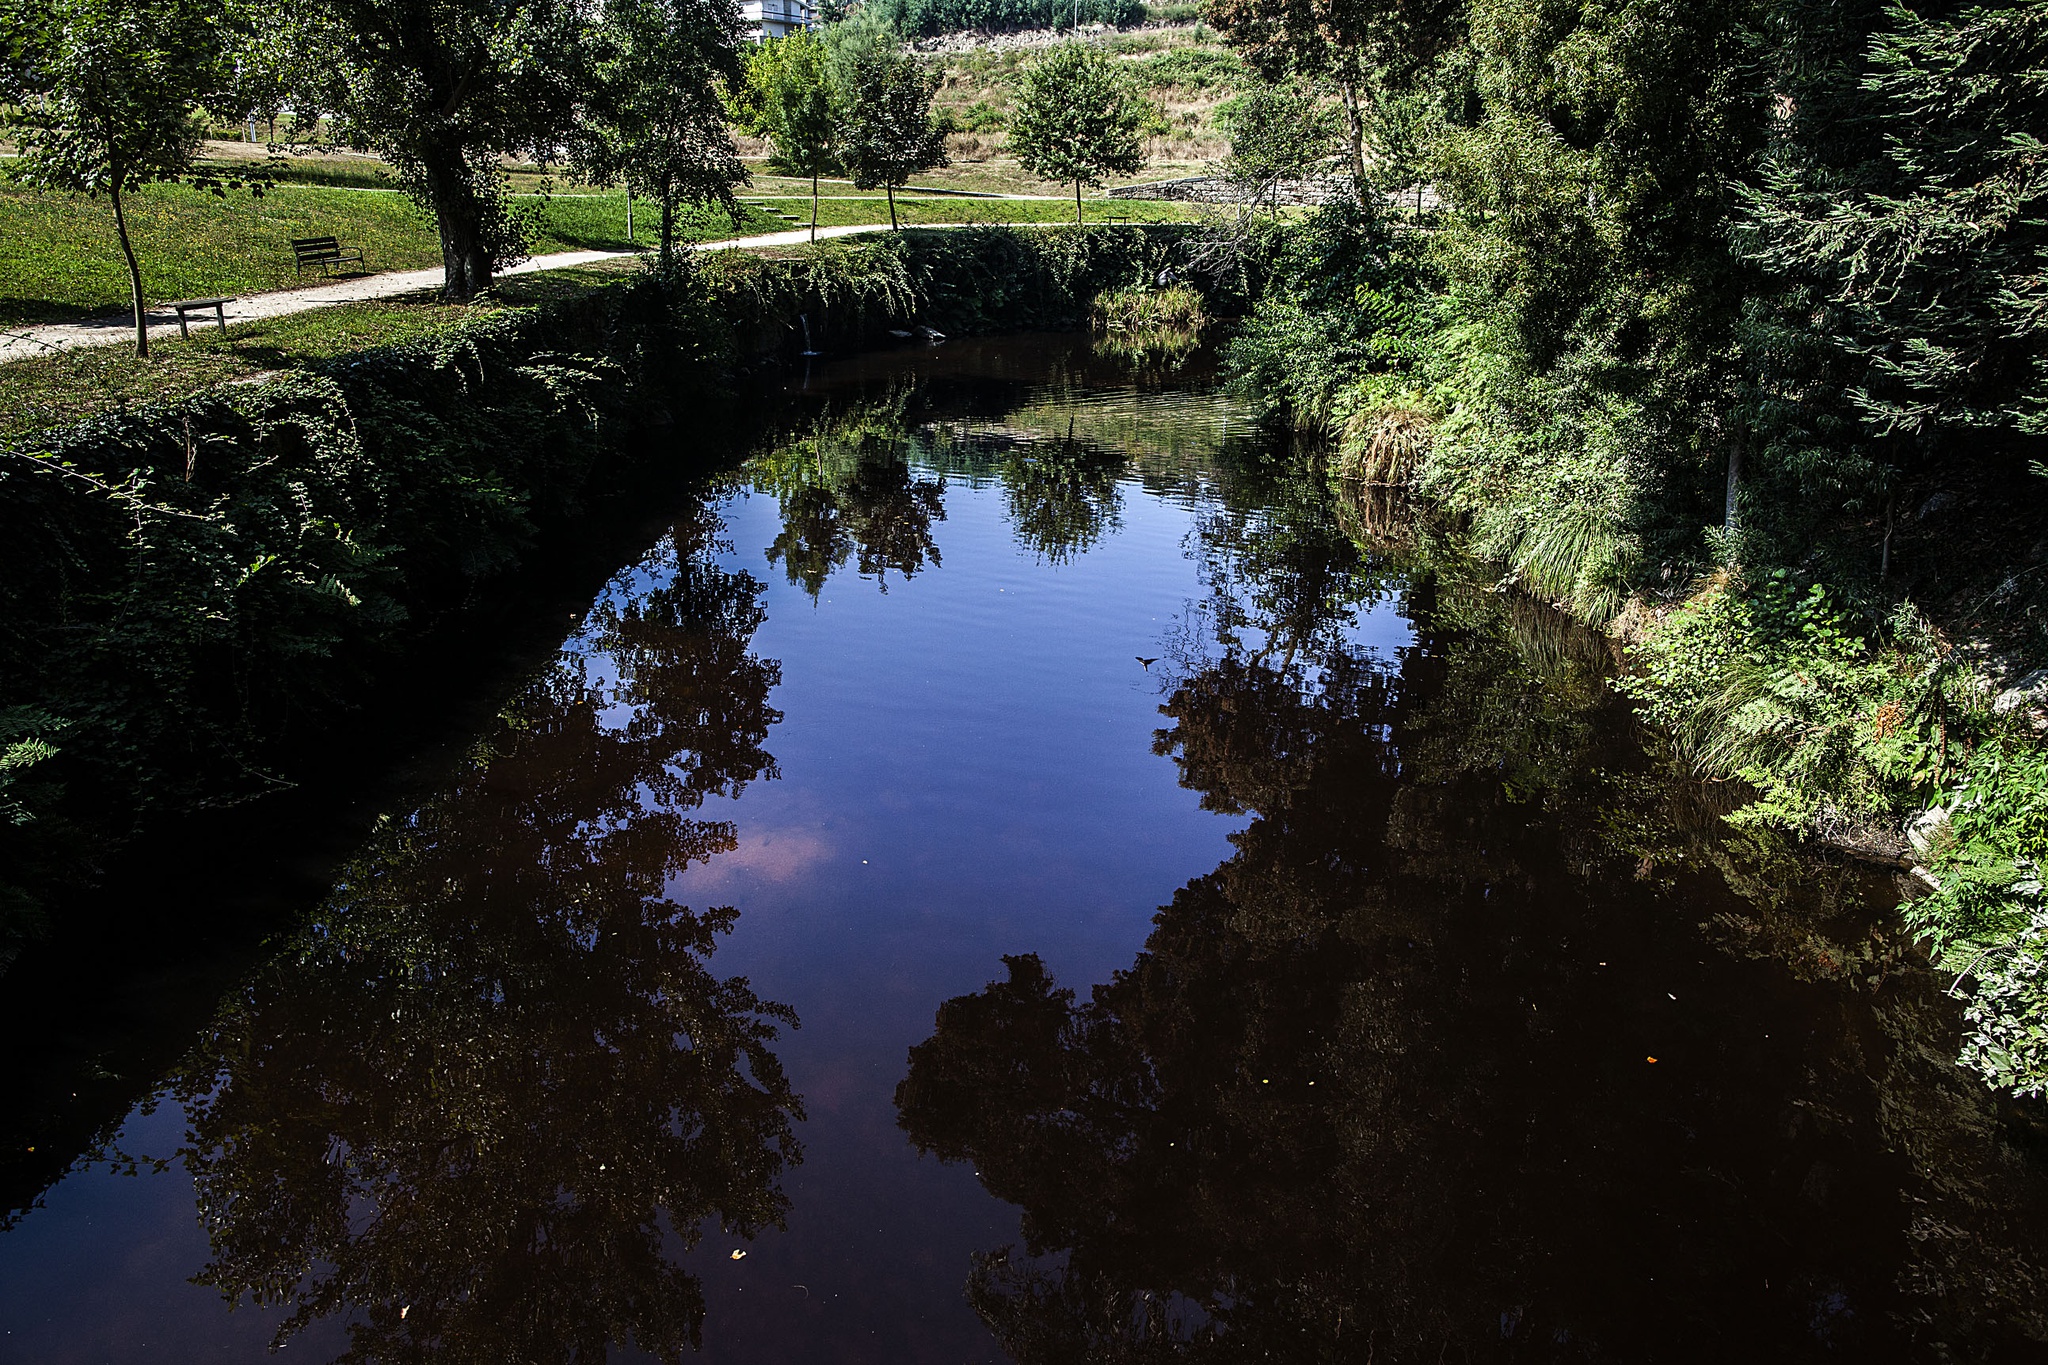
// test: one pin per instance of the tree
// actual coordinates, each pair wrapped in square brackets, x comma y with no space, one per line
[787,98]
[101,95]
[657,122]
[887,132]
[1353,44]
[1077,119]
[1277,133]
[1927,245]
[444,90]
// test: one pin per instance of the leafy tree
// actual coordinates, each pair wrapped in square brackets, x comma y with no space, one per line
[1077,119]
[887,132]
[787,98]
[101,97]
[444,90]
[657,122]
[1277,133]
[1355,45]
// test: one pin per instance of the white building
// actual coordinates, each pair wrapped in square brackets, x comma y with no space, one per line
[777,18]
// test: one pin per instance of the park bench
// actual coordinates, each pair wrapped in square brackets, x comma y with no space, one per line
[325,252]
[184,306]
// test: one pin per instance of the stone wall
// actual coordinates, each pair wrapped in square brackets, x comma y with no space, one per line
[1216,189]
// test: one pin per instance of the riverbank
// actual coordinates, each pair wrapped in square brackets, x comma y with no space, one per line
[197,592]
[1861,668]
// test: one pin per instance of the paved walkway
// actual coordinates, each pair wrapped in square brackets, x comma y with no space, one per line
[20,343]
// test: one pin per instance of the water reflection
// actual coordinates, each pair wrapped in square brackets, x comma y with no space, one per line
[490,1096]
[1438,1063]
[1484,1040]
[846,490]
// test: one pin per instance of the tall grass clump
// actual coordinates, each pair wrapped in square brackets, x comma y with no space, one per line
[1176,307]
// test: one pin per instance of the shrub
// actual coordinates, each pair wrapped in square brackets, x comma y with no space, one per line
[1777,687]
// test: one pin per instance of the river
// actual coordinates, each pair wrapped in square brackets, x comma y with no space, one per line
[1020,869]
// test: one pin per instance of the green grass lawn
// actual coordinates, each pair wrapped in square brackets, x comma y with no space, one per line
[56,390]
[60,260]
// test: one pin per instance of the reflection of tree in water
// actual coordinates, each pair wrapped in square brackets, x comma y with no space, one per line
[493,1090]
[847,491]
[1370,1092]
[1062,497]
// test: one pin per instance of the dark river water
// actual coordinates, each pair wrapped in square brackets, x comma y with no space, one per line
[1021,870]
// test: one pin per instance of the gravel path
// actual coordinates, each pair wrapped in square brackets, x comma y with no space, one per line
[22,342]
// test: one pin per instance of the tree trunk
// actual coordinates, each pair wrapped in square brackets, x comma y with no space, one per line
[668,226]
[134,270]
[1077,203]
[1730,520]
[814,206]
[890,190]
[1354,128]
[465,263]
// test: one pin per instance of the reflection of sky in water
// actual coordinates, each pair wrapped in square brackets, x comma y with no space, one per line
[966,770]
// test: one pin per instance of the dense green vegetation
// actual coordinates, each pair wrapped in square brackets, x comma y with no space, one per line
[923,18]
[1722,337]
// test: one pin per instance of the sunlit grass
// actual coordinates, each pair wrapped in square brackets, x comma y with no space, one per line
[71,386]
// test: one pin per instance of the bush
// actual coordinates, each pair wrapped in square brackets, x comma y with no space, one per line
[1775,686]
[1176,307]
[1193,69]
[1988,917]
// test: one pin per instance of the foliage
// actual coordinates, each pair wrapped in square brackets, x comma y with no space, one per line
[1077,119]
[1344,305]
[1987,918]
[657,122]
[1177,307]
[788,99]
[929,18]
[1921,237]
[1197,70]
[443,90]
[1776,687]
[1353,45]
[887,132]
[1277,133]
[100,97]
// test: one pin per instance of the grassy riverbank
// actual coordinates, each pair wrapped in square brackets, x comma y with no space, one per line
[1849,662]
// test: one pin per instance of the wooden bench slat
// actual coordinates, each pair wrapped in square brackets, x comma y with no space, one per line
[322,251]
